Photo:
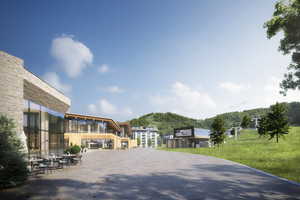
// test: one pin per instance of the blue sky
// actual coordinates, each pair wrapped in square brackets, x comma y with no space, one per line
[122,59]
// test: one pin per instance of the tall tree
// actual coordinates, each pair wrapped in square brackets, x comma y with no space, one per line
[286,18]
[138,141]
[13,168]
[246,121]
[149,142]
[232,131]
[262,128]
[217,134]
[278,124]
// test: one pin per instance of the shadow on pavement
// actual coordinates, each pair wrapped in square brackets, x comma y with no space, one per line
[181,184]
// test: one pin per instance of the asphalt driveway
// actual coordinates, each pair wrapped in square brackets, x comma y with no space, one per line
[153,174]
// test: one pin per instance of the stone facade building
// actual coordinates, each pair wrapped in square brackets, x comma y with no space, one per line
[20,90]
[40,114]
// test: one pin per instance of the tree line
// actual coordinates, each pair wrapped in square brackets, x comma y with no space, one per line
[166,122]
[273,124]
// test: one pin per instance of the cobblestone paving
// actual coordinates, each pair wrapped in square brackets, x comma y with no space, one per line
[152,174]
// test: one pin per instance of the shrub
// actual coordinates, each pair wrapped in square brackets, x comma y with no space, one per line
[13,168]
[73,149]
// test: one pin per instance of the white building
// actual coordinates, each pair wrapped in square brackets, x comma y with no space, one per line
[146,134]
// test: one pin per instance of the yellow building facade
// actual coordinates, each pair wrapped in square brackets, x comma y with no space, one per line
[97,132]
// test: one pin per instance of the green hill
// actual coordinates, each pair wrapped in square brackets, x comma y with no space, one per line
[166,122]
[234,118]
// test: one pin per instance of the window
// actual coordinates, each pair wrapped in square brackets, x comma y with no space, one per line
[82,126]
[94,127]
[43,127]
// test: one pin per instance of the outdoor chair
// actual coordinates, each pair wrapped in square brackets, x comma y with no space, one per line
[77,159]
[62,162]
[42,167]
[51,165]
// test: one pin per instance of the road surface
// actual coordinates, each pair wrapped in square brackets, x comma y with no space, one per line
[152,174]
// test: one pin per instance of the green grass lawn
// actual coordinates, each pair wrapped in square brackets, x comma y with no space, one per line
[281,159]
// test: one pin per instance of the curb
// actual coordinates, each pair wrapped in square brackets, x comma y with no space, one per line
[271,175]
[240,164]
[260,171]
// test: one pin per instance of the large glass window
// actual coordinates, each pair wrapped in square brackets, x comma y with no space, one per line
[73,126]
[82,126]
[94,127]
[103,127]
[44,129]
[56,131]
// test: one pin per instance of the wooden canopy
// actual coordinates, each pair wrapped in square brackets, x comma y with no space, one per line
[87,117]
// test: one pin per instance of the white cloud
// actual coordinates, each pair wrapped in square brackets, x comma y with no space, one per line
[71,55]
[233,87]
[272,95]
[184,100]
[263,94]
[103,69]
[92,108]
[105,108]
[114,89]
[53,79]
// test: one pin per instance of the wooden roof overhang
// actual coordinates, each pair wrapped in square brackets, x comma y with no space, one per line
[88,117]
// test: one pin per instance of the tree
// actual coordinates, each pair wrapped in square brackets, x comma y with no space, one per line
[217,134]
[13,169]
[149,142]
[277,121]
[262,128]
[246,121]
[294,113]
[232,131]
[138,141]
[286,19]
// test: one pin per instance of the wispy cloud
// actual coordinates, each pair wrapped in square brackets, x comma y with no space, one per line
[233,87]
[113,89]
[53,79]
[71,55]
[105,108]
[185,100]
[103,69]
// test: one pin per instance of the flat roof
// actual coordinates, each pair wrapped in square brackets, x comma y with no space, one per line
[85,117]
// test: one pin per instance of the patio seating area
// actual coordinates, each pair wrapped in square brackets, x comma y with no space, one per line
[48,164]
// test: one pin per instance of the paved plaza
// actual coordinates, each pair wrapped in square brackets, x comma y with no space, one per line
[152,174]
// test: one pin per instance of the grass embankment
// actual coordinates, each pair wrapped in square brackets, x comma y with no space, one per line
[281,159]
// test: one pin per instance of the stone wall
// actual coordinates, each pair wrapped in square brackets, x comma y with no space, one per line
[11,88]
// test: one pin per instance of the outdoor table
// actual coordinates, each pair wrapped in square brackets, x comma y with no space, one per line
[32,161]
[69,157]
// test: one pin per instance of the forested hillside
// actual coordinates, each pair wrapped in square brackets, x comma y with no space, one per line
[166,122]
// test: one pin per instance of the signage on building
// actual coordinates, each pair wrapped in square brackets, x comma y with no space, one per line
[188,132]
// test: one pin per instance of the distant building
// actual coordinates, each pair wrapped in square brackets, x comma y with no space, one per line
[189,137]
[166,137]
[147,135]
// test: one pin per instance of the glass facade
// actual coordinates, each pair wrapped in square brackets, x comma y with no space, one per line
[98,143]
[86,126]
[44,129]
